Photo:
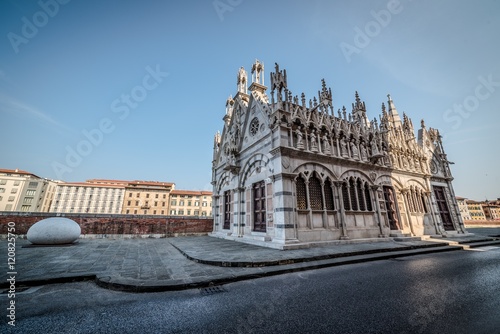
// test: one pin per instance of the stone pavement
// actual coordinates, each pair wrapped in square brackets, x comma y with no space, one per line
[147,265]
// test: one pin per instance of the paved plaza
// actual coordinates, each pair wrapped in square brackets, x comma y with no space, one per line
[143,265]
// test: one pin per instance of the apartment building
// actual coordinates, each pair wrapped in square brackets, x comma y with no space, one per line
[190,203]
[462,206]
[88,197]
[491,211]
[147,197]
[24,191]
[476,210]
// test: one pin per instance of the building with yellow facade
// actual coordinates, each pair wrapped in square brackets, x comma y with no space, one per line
[147,197]
[491,210]
[190,203]
[475,210]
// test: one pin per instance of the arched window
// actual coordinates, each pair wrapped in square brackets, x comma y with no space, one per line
[352,194]
[422,198]
[368,198]
[416,200]
[301,193]
[345,196]
[315,193]
[409,201]
[327,189]
[418,203]
[356,195]
[361,195]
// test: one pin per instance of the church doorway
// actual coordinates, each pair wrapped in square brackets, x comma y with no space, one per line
[444,211]
[391,207]
[227,210]
[259,207]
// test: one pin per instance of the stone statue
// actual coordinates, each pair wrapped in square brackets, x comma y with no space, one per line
[363,152]
[314,145]
[374,148]
[326,149]
[343,148]
[300,141]
[354,150]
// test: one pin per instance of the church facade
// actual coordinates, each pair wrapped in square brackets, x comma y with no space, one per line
[288,173]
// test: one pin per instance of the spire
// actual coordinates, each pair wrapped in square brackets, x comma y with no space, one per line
[229,106]
[393,113]
[384,119]
[258,72]
[242,80]
[359,111]
[258,78]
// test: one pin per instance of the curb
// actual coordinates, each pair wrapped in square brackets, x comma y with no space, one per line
[273,271]
[135,286]
[249,264]
[483,243]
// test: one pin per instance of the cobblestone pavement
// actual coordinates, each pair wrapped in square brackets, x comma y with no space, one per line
[143,265]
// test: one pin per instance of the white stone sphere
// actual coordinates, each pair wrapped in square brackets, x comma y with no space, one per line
[54,231]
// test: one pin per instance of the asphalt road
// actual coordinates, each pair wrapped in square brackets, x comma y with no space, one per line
[455,292]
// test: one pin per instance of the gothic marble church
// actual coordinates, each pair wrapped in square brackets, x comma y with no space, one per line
[288,172]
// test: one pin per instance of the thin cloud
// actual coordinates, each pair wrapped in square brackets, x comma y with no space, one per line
[19,108]
[464,136]
[461,132]
[463,141]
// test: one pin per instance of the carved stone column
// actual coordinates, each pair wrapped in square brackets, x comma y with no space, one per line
[308,202]
[433,213]
[241,208]
[325,215]
[216,213]
[404,192]
[341,211]
[375,204]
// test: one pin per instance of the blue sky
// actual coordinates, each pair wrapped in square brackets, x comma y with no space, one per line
[68,73]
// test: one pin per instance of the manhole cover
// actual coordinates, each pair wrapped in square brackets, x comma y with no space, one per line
[212,290]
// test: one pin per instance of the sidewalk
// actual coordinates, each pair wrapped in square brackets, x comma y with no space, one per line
[147,265]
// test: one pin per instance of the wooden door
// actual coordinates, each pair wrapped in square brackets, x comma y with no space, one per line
[444,211]
[259,207]
[391,207]
[227,210]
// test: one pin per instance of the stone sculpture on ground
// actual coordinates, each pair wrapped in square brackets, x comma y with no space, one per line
[54,231]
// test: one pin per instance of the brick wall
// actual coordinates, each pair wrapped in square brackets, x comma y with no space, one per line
[92,224]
